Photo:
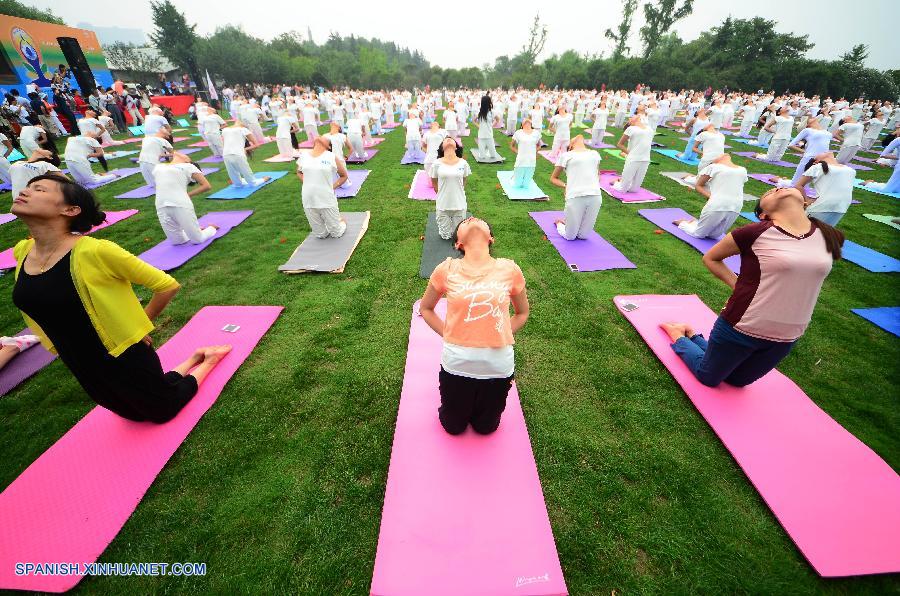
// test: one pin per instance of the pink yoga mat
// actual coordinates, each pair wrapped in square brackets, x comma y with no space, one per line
[546,155]
[835,497]
[641,195]
[421,189]
[462,514]
[71,502]
[6,218]
[199,144]
[280,158]
[8,261]
[373,142]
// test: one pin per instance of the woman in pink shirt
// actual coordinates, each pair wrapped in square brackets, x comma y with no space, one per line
[477,361]
[785,257]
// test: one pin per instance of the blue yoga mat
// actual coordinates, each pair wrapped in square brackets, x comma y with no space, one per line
[747,142]
[242,192]
[183,122]
[865,257]
[673,153]
[136,130]
[529,193]
[886,317]
[859,184]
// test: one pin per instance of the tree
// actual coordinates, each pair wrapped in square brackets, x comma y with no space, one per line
[620,36]
[175,39]
[129,57]
[537,36]
[659,17]
[14,8]
[856,56]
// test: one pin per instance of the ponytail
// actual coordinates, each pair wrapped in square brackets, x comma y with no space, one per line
[834,239]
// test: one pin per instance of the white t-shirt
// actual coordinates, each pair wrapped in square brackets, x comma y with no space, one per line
[354,126]
[79,148]
[433,142]
[451,194]
[318,179]
[853,132]
[639,140]
[88,125]
[233,139]
[413,129]
[284,127]
[712,143]
[726,187]
[30,134]
[601,117]
[211,124]
[562,126]
[152,124]
[527,148]
[23,172]
[450,120]
[338,140]
[152,148]
[783,126]
[171,184]
[310,116]
[582,173]
[834,189]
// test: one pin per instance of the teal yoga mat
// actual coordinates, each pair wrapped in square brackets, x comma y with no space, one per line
[231,192]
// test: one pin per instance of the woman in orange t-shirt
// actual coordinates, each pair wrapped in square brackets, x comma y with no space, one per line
[477,361]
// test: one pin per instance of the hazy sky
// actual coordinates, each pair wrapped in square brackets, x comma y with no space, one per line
[483,31]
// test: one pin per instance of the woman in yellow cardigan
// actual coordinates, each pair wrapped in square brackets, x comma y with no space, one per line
[75,292]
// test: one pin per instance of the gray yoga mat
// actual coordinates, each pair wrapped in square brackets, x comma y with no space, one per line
[328,255]
[435,249]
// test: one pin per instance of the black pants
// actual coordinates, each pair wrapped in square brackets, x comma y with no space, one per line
[464,401]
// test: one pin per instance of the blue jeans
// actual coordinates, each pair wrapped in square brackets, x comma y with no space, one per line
[730,356]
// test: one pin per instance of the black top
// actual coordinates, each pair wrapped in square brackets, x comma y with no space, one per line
[132,385]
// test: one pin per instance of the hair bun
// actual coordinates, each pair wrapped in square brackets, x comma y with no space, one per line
[99,218]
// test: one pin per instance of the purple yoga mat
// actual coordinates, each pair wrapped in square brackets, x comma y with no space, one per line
[860,168]
[753,154]
[211,159]
[664,218]
[356,179]
[24,365]
[142,192]
[370,153]
[122,172]
[421,189]
[167,256]
[865,159]
[186,151]
[412,157]
[591,254]
[641,195]
[6,218]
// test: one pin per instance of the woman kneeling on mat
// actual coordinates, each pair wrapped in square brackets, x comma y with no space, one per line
[173,201]
[784,260]
[75,292]
[477,361]
[448,175]
[582,187]
[722,183]
[321,172]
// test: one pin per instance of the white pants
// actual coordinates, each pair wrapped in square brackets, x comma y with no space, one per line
[238,169]
[448,220]
[284,147]
[746,125]
[597,134]
[867,143]
[487,151]
[777,147]
[357,147]
[581,215]
[147,172]
[180,225]
[710,225]
[414,146]
[847,153]
[256,131]
[632,176]
[620,119]
[136,118]
[312,133]
[83,174]
[511,125]
[58,122]
[325,222]
[214,139]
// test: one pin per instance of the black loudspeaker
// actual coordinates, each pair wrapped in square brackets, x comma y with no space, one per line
[78,64]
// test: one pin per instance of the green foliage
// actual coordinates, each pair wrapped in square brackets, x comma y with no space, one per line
[128,57]
[857,55]
[14,8]
[175,39]
[620,35]
[658,20]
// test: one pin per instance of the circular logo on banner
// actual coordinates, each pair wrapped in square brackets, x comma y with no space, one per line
[31,54]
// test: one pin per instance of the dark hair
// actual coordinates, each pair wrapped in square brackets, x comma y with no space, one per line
[455,237]
[834,238]
[440,151]
[812,161]
[76,195]
[486,106]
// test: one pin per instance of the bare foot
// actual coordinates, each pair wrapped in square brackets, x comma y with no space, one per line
[774,179]
[213,354]
[675,330]
[214,226]
[559,221]
[678,222]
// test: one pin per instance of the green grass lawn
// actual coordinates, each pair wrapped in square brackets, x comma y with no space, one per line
[280,486]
